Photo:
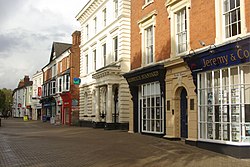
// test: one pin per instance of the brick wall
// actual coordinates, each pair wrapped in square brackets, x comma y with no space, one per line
[162,31]
[202,23]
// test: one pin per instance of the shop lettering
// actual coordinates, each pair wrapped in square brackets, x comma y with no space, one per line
[215,61]
[226,59]
[243,54]
[144,76]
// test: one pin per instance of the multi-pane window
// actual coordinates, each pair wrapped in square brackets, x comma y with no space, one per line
[149,47]
[151,108]
[116,8]
[94,56]
[86,64]
[67,82]
[181,30]
[104,13]
[232,17]
[104,54]
[53,87]
[224,104]
[59,85]
[115,43]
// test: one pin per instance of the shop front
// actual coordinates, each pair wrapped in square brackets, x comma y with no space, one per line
[49,108]
[147,87]
[222,79]
[66,108]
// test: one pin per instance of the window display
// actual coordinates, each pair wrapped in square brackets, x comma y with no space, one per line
[224,104]
[151,108]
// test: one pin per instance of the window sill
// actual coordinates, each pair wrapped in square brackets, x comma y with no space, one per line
[147,4]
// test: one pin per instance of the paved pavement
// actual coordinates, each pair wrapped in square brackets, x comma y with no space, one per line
[38,144]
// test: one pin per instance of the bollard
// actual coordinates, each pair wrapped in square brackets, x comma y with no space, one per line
[0,121]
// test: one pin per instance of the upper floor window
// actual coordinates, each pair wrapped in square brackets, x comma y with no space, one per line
[115,43]
[104,13]
[179,21]
[87,63]
[94,56]
[147,29]
[232,17]
[147,2]
[181,30]
[67,82]
[104,54]
[68,62]
[116,8]
[95,25]
[54,70]
[52,87]
[149,47]
[87,32]
[59,85]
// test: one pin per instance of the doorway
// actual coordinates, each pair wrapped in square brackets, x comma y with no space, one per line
[184,114]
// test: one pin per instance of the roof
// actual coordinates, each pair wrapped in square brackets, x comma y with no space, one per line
[58,48]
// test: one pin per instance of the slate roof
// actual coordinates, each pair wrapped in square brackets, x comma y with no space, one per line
[58,48]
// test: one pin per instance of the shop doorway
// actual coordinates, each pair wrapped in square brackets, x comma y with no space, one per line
[184,114]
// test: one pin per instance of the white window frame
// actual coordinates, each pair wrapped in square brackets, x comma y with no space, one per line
[115,48]
[67,82]
[59,85]
[149,20]
[94,59]
[173,9]
[86,64]
[95,25]
[220,22]
[229,102]
[53,87]
[147,3]
[116,8]
[104,54]
[151,93]
[104,16]
[87,31]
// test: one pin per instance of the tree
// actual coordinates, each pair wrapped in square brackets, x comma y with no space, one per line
[2,101]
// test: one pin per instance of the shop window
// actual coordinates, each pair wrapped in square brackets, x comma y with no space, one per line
[151,108]
[224,104]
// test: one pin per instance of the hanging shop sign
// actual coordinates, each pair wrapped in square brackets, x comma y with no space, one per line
[77,81]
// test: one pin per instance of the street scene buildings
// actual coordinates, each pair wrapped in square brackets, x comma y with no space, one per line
[177,69]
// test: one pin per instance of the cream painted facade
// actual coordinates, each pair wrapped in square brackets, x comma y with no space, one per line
[178,77]
[36,95]
[105,57]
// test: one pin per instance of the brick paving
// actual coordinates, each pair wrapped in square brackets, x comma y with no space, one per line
[38,144]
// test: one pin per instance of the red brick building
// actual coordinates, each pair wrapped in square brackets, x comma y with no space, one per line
[60,95]
[186,56]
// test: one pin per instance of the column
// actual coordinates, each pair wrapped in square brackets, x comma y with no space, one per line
[109,104]
[97,104]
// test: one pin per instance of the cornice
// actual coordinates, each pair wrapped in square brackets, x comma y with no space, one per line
[88,10]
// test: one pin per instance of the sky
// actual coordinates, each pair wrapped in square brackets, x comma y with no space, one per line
[27,30]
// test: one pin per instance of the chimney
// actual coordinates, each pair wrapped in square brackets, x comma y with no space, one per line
[26,79]
[76,38]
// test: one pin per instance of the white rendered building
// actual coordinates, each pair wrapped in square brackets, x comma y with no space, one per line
[105,57]
[36,95]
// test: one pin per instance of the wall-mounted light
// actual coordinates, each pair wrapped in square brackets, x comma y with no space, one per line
[211,49]
[237,46]
[202,43]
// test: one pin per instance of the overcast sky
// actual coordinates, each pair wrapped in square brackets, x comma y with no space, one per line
[27,31]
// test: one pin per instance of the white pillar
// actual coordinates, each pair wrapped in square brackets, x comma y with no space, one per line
[97,104]
[109,105]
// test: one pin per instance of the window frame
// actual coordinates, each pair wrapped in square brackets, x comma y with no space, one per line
[173,8]
[220,22]
[115,48]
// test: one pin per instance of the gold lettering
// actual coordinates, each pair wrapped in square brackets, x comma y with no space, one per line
[238,54]
[246,54]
